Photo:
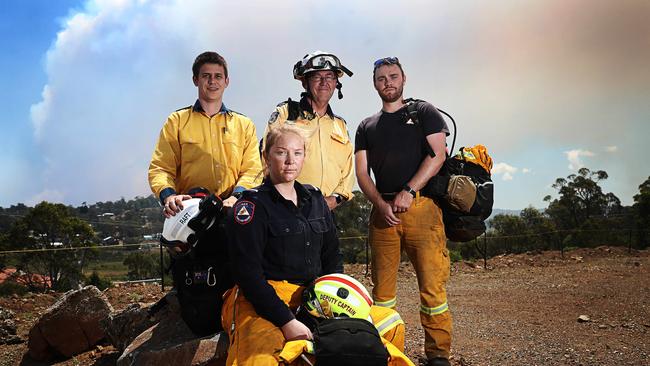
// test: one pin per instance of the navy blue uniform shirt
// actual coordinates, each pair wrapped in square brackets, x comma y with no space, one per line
[272,239]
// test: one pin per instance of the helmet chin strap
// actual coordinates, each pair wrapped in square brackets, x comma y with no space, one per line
[306,93]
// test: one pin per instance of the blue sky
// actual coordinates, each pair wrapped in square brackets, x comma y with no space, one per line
[547,85]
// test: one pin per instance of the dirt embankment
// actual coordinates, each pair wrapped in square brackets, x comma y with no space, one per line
[523,310]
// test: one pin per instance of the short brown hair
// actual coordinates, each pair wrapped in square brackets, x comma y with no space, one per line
[209,57]
[384,62]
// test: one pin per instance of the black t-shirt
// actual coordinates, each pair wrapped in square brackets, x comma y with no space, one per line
[396,146]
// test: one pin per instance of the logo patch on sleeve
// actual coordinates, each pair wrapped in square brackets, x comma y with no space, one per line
[274,117]
[244,211]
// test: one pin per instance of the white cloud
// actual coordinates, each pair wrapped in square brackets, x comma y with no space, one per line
[505,170]
[46,195]
[575,158]
[40,111]
[525,170]
[119,67]
[611,149]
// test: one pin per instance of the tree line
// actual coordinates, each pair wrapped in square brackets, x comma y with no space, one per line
[580,215]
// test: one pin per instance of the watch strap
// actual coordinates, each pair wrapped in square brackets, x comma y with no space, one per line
[410,190]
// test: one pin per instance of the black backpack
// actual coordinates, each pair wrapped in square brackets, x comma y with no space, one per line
[344,341]
[348,341]
[460,226]
[201,274]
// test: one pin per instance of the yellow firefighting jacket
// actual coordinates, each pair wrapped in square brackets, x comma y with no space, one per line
[328,163]
[194,150]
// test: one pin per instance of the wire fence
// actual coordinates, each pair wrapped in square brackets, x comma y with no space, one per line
[111,260]
[485,236]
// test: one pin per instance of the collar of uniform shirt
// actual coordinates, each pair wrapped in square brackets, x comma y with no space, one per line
[198,108]
[306,106]
[303,194]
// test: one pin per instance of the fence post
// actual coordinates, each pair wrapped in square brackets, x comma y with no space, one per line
[367,256]
[162,270]
[629,242]
[485,252]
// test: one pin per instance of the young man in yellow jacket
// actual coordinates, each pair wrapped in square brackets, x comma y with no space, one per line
[206,144]
[209,146]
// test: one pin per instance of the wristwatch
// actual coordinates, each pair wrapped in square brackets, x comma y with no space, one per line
[338,198]
[410,190]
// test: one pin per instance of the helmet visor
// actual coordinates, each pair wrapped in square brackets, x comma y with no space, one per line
[323,62]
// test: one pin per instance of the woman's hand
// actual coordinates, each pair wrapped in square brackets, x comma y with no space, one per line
[294,330]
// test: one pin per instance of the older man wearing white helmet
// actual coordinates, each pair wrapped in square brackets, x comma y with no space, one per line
[329,162]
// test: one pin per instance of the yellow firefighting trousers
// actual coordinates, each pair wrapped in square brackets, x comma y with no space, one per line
[421,234]
[256,341]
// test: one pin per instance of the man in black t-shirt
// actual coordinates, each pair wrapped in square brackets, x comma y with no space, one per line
[404,155]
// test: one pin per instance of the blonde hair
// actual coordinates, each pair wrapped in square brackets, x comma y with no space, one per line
[272,138]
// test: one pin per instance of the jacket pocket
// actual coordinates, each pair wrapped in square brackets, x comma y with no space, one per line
[229,138]
[191,137]
[318,225]
[285,227]
[343,139]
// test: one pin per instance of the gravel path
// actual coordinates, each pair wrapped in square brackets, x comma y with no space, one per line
[523,310]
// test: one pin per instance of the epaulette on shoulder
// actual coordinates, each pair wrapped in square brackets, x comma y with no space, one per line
[283,102]
[249,192]
[309,187]
[180,109]
[341,118]
[239,113]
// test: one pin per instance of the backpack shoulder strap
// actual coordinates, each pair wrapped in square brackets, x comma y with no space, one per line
[412,114]
[293,107]
[412,109]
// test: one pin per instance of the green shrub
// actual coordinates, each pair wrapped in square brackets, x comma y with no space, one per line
[455,256]
[9,288]
[100,283]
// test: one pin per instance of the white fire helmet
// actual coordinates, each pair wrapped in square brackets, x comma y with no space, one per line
[319,61]
[176,229]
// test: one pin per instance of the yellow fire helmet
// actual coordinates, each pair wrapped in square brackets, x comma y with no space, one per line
[337,295]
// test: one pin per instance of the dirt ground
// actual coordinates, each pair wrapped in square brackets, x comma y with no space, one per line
[522,310]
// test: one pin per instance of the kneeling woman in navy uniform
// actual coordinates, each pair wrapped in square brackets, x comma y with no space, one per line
[281,237]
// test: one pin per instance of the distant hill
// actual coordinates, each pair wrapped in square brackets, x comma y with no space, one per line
[501,211]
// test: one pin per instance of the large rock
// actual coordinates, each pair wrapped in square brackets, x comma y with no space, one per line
[70,326]
[170,342]
[8,328]
[123,327]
